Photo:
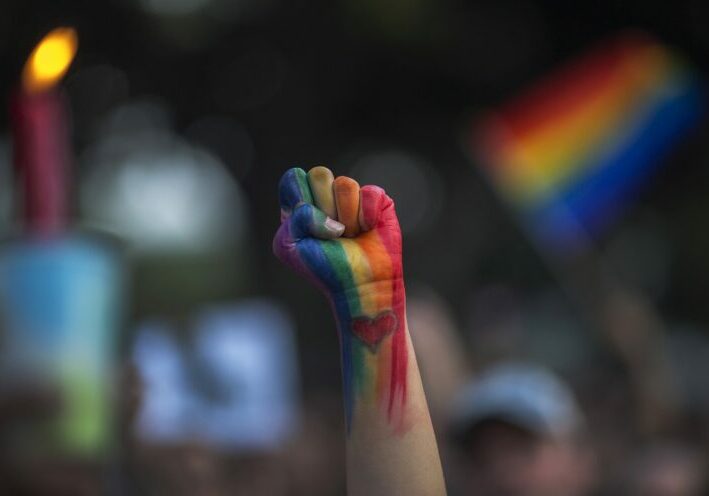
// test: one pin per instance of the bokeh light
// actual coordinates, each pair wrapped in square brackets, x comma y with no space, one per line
[411,181]
[50,60]
[156,190]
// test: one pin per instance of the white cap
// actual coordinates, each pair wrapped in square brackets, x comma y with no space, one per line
[524,395]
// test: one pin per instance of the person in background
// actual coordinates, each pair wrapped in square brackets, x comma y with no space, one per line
[667,469]
[441,352]
[519,432]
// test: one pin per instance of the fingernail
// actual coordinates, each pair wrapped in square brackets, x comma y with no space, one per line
[333,226]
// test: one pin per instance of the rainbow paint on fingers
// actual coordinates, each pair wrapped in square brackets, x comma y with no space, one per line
[347,241]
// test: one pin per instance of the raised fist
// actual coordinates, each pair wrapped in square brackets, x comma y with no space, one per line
[347,240]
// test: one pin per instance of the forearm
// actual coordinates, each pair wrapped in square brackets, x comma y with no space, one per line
[391,447]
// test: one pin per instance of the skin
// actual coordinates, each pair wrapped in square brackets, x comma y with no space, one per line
[505,460]
[346,240]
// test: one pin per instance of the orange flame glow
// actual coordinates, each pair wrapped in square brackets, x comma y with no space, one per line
[50,60]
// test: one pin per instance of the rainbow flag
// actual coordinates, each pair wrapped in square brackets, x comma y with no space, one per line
[571,151]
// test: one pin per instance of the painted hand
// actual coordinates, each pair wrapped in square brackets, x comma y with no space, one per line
[348,242]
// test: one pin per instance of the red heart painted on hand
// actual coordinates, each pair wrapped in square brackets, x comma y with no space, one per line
[371,331]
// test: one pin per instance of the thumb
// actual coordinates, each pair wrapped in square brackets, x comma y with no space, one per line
[309,221]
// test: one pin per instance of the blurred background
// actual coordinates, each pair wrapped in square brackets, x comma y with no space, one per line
[216,372]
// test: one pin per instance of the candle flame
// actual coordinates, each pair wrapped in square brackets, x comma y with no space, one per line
[49,60]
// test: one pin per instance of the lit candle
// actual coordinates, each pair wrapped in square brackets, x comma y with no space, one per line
[40,138]
[60,291]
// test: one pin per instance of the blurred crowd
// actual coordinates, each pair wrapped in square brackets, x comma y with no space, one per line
[219,372]
[506,425]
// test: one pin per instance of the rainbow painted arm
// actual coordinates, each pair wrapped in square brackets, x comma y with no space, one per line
[347,241]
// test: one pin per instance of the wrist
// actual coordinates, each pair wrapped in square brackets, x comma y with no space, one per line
[371,320]
[369,301]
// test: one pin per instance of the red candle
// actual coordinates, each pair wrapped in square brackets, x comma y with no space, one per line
[40,138]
